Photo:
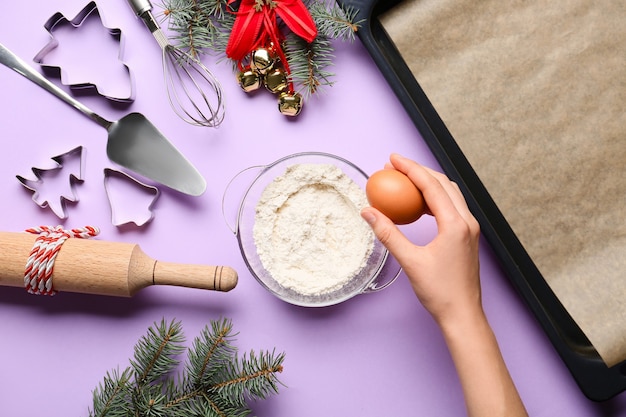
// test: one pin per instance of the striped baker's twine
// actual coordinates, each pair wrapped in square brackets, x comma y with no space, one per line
[40,264]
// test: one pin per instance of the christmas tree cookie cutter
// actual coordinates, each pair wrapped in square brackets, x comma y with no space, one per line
[124,211]
[57,20]
[36,186]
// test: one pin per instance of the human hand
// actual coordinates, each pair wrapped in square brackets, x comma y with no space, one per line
[445,277]
[444,273]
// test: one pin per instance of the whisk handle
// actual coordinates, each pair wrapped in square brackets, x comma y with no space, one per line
[140,6]
[143,9]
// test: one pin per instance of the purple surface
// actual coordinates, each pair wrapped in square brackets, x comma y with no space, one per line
[375,355]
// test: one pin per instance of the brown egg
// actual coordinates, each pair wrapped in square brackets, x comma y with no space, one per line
[395,195]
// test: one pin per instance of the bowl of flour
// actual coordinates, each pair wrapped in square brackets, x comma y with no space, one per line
[301,235]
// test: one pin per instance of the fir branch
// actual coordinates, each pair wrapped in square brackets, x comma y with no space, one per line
[211,351]
[150,401]
[334,21]
[222,36]
[215,407]
[214,382]
[155,353]
[111,394]
[308,62]
[200,26]
[253,376]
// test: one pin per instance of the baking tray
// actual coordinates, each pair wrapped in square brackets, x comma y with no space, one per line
[597,381]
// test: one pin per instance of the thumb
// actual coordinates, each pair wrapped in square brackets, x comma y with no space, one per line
[388,234]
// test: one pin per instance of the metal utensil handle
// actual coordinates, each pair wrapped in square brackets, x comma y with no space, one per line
[10,60]
[140,6]
[143,9]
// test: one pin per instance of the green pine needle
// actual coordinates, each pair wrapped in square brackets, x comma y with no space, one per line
[211,352]
[253,376]
[111,395]
[333,21]
[156,352]
[309,62]
[214,381]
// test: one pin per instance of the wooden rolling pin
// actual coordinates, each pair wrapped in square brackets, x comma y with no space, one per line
[94,266]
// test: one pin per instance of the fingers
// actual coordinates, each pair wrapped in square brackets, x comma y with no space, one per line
[458,199]
[389,235]
[443,196]
[455,194]
[429,183]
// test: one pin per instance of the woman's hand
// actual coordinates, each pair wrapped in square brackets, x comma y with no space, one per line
[445,277]
[445,273]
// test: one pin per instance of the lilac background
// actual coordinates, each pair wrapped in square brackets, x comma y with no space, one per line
[375,355]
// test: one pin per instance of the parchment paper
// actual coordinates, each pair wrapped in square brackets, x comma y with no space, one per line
[534,93]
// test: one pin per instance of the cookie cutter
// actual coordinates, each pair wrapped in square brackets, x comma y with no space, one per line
[59,19]
[137,187]
[40,173]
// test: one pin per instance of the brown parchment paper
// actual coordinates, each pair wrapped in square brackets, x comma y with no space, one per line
[534,93]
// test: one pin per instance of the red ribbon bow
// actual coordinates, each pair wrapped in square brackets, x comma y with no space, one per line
[256,24]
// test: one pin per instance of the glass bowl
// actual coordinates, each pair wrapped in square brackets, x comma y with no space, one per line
[378,273]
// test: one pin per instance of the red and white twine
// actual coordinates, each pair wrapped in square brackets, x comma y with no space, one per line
[40,264]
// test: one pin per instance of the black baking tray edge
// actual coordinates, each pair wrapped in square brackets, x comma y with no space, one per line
[597,381]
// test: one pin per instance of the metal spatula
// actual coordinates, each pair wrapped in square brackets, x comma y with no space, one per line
[133,141]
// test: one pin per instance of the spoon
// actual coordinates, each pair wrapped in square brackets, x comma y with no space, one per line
[133,141]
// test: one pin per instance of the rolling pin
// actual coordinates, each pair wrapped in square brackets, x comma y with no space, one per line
[94,266]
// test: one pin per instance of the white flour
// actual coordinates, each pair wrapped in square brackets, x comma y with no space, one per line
[308,231]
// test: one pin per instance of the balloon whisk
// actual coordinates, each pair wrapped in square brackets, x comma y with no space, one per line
[194,93]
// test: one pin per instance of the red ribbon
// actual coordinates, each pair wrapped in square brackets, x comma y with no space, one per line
[256,25]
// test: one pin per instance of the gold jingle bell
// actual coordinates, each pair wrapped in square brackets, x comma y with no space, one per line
[276,80]
[262,60]
[249,80]
[290,104]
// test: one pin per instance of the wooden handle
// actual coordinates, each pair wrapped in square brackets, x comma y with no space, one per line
[108,268]
[220,278]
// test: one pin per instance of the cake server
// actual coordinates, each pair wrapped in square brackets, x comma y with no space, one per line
[133,141]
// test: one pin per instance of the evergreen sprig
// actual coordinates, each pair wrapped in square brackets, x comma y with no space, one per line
[198,26]
[309,62]
[214,381]
[156,352]
[334,21]
[204,26]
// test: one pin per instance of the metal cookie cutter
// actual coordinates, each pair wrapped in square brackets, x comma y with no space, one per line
[59,19]
[38,186]
[119,187]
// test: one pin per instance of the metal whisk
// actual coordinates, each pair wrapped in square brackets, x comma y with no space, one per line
[186,78]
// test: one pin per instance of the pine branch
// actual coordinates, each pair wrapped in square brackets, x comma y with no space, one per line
[222,36]
[155,353]
[333,21]
[215,407]
[110,395]
[200,26]
[211,351]
[150,401]
[214,382]
[308,62]
[253,376]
